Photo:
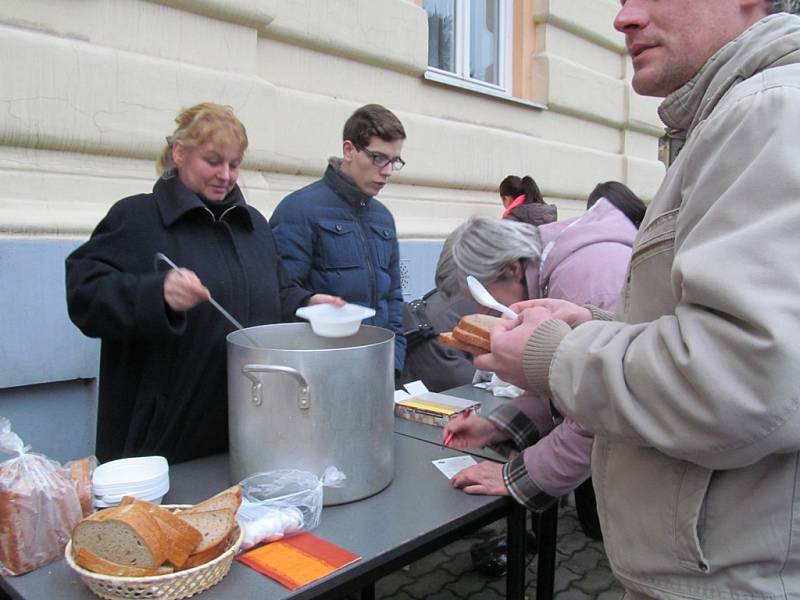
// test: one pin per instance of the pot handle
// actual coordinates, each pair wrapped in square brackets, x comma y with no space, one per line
[303,391]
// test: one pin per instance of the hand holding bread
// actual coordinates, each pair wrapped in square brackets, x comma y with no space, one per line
[508,344]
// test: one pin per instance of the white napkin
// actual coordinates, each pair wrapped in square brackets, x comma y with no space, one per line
[500,388]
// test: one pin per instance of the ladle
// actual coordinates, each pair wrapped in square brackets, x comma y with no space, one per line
[484,298]
[214,303]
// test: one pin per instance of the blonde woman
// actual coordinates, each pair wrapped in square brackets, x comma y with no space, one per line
[163,387]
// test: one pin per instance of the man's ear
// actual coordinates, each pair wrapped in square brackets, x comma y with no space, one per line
[348,150]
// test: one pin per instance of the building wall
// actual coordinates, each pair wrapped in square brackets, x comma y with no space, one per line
[94,86]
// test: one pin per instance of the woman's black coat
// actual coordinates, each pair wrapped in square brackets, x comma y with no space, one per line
[163,383]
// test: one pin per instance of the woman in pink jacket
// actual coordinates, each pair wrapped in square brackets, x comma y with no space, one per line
[583,260]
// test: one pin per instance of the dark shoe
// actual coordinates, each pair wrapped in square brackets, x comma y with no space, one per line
[490,557]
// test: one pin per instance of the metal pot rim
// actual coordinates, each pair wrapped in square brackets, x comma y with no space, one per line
[365,330]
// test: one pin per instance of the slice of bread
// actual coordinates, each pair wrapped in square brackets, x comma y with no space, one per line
[448,338]
[182,538]
[472,333]
[126,535]
[472,339]
[201,558]
[476,329]
[80,471]
[229,499]
[215,525]
[89,560]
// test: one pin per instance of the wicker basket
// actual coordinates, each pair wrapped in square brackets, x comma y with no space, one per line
[172,586]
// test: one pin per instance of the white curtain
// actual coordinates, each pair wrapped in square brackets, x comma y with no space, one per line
[441,34]
[484,41]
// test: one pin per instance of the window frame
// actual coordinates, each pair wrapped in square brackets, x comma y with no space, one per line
[505,35]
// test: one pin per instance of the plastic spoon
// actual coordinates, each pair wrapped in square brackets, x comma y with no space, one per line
[484,298]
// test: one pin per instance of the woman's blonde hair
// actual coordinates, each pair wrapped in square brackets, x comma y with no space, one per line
[199,124]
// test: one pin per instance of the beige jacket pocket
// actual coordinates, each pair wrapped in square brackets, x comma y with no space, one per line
[649,501]
[689,515]
[653,254]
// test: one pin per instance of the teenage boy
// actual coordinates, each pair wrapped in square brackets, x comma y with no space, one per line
[336,238]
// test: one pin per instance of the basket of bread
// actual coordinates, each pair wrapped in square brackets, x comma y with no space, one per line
[144,550]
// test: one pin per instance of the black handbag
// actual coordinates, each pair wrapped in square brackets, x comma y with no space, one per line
[416,324]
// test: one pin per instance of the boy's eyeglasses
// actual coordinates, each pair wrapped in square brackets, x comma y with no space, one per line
[380,160]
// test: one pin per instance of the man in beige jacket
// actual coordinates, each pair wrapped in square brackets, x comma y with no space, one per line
[693,390]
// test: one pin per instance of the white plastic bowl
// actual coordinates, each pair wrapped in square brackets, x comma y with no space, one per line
[118,477]
[131,489]
[328,320]
[99,503]
[149,494]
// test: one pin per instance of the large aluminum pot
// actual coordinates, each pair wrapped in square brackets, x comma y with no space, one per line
[301,401]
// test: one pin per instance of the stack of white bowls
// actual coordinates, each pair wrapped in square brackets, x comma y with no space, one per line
[143,477]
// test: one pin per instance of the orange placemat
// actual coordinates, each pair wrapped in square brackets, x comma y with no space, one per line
[298,560]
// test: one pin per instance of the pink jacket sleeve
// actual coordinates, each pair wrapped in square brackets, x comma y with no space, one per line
[559,462]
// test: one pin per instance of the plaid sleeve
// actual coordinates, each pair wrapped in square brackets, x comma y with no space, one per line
[516,424]
[523,488]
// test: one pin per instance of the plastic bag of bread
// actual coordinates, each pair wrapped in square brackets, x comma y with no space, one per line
[39,506]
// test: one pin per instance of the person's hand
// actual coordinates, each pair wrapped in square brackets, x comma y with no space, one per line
[472,432]
[326,299]
[484,478]
[184,290]
[508,343]
[572,314]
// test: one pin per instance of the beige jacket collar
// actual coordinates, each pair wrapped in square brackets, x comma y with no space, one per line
[741,58]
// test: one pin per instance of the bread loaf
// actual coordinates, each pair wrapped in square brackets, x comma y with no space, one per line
[90,561]
[38,509]
[127,535]
[136,537]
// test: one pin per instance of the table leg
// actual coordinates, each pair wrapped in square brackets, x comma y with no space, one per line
[515,548]
[368,592]
[546,532]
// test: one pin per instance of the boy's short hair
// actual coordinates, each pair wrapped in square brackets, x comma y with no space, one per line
[373,120]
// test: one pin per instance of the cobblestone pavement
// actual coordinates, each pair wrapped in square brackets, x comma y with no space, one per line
[582,571]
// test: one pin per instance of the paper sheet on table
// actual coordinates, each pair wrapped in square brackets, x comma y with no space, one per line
[298,560]
[451,466]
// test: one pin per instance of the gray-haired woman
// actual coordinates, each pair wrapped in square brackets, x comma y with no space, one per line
[496,252]
[583,260]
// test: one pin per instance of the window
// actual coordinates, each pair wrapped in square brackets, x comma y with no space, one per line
[470,41]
